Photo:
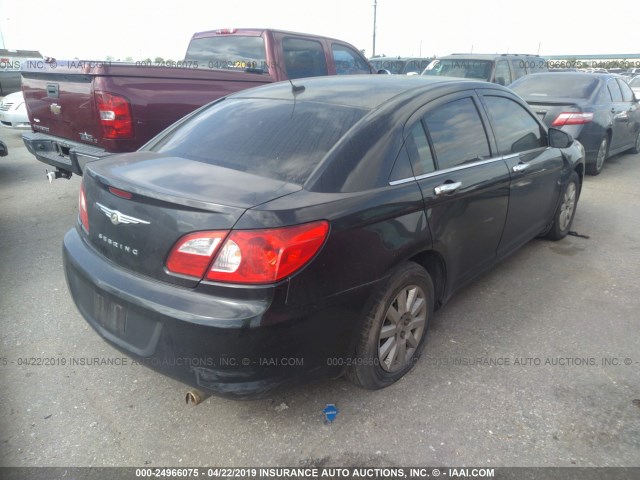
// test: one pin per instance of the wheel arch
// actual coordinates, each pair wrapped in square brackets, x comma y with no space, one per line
[435,265]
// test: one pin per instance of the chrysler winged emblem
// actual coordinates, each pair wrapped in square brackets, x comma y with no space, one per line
[55,108]
[117,218]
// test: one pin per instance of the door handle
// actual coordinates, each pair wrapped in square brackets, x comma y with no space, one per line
[521,167]
[447,188]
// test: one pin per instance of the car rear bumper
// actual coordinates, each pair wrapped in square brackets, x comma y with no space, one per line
[240,348]
[61,153]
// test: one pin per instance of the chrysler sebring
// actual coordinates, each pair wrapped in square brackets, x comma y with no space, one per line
[299,231]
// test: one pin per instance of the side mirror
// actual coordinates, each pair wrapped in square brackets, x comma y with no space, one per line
[384,72]
[559,139]
[4,151]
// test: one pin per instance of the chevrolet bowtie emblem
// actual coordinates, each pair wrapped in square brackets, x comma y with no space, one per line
[117,218]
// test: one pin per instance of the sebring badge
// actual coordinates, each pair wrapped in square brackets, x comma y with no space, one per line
[117,218]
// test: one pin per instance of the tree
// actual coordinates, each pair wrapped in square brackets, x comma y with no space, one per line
[158,60]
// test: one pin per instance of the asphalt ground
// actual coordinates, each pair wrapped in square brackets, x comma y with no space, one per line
[534,364]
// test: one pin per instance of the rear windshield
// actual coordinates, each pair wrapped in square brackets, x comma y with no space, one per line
[228,52]
[278,139]
[635,82]
[571,86]
[462,68]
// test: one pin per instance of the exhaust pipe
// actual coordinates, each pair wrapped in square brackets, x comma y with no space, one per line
[196,397]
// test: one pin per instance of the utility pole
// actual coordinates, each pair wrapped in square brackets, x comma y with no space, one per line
[375,6]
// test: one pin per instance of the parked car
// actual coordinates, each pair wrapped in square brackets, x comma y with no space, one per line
[401,65]
[13,112]
[598,109]
[501,69]
[84,111]
[296,232]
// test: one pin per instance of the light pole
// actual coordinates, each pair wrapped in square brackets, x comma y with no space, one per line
[375,6]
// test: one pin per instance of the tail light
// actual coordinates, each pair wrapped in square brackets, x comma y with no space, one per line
[572,118]
[83,212]
[247,256]
[115,115]
[226,31]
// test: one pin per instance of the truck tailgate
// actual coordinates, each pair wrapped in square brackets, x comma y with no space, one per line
[62,104]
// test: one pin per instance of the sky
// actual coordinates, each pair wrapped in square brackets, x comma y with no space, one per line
[67,29]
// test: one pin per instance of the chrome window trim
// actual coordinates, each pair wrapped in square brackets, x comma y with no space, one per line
[451,169]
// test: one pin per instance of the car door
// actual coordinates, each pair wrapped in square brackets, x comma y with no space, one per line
[619,117]
[465,190]
[633,113]
[535,168]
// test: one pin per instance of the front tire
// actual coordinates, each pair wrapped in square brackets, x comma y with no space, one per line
[563,217]
[394,329]
[603,150]
[636,146]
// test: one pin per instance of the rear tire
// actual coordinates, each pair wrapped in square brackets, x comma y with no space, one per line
[563,217]
[636,147]
[394,329]
[603,151]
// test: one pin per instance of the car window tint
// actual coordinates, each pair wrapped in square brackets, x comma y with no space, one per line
[503,74]
[460,67]
[627,93]
[518,68]
[402,168]
[614,90]
[347,61]
[278,139]
[457,133]
[419,151]
[303,58]
[556,85]
[515,129]
[228,51]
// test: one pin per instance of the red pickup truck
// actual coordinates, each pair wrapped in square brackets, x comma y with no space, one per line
[82,111]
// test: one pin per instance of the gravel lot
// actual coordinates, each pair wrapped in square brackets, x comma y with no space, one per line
[567,312]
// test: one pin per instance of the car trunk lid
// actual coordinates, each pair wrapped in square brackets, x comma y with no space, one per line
[140,204]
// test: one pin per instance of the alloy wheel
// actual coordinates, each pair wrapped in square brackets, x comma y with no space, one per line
[402,328]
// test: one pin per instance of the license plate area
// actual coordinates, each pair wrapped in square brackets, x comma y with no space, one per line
[110,315]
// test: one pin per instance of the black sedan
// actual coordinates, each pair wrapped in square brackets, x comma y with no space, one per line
[600,110]
[298,231]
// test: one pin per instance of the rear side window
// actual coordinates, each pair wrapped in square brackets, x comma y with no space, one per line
[419,151]
[515,129]
[303,58]
[229,52]
[614,90]
[457,133]
[518,67]
[627,93]
[347,61]
[278,139]
[503,74]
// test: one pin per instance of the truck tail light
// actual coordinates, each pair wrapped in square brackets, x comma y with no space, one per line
[83,212]
[115,115]
[226,31]
[572,118]
[248,256]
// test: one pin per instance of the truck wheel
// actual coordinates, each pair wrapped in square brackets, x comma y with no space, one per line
[394,329]
[563,217]
[596,167]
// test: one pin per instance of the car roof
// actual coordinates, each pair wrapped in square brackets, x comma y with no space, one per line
[487,56]
[574,75]
[360,91]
